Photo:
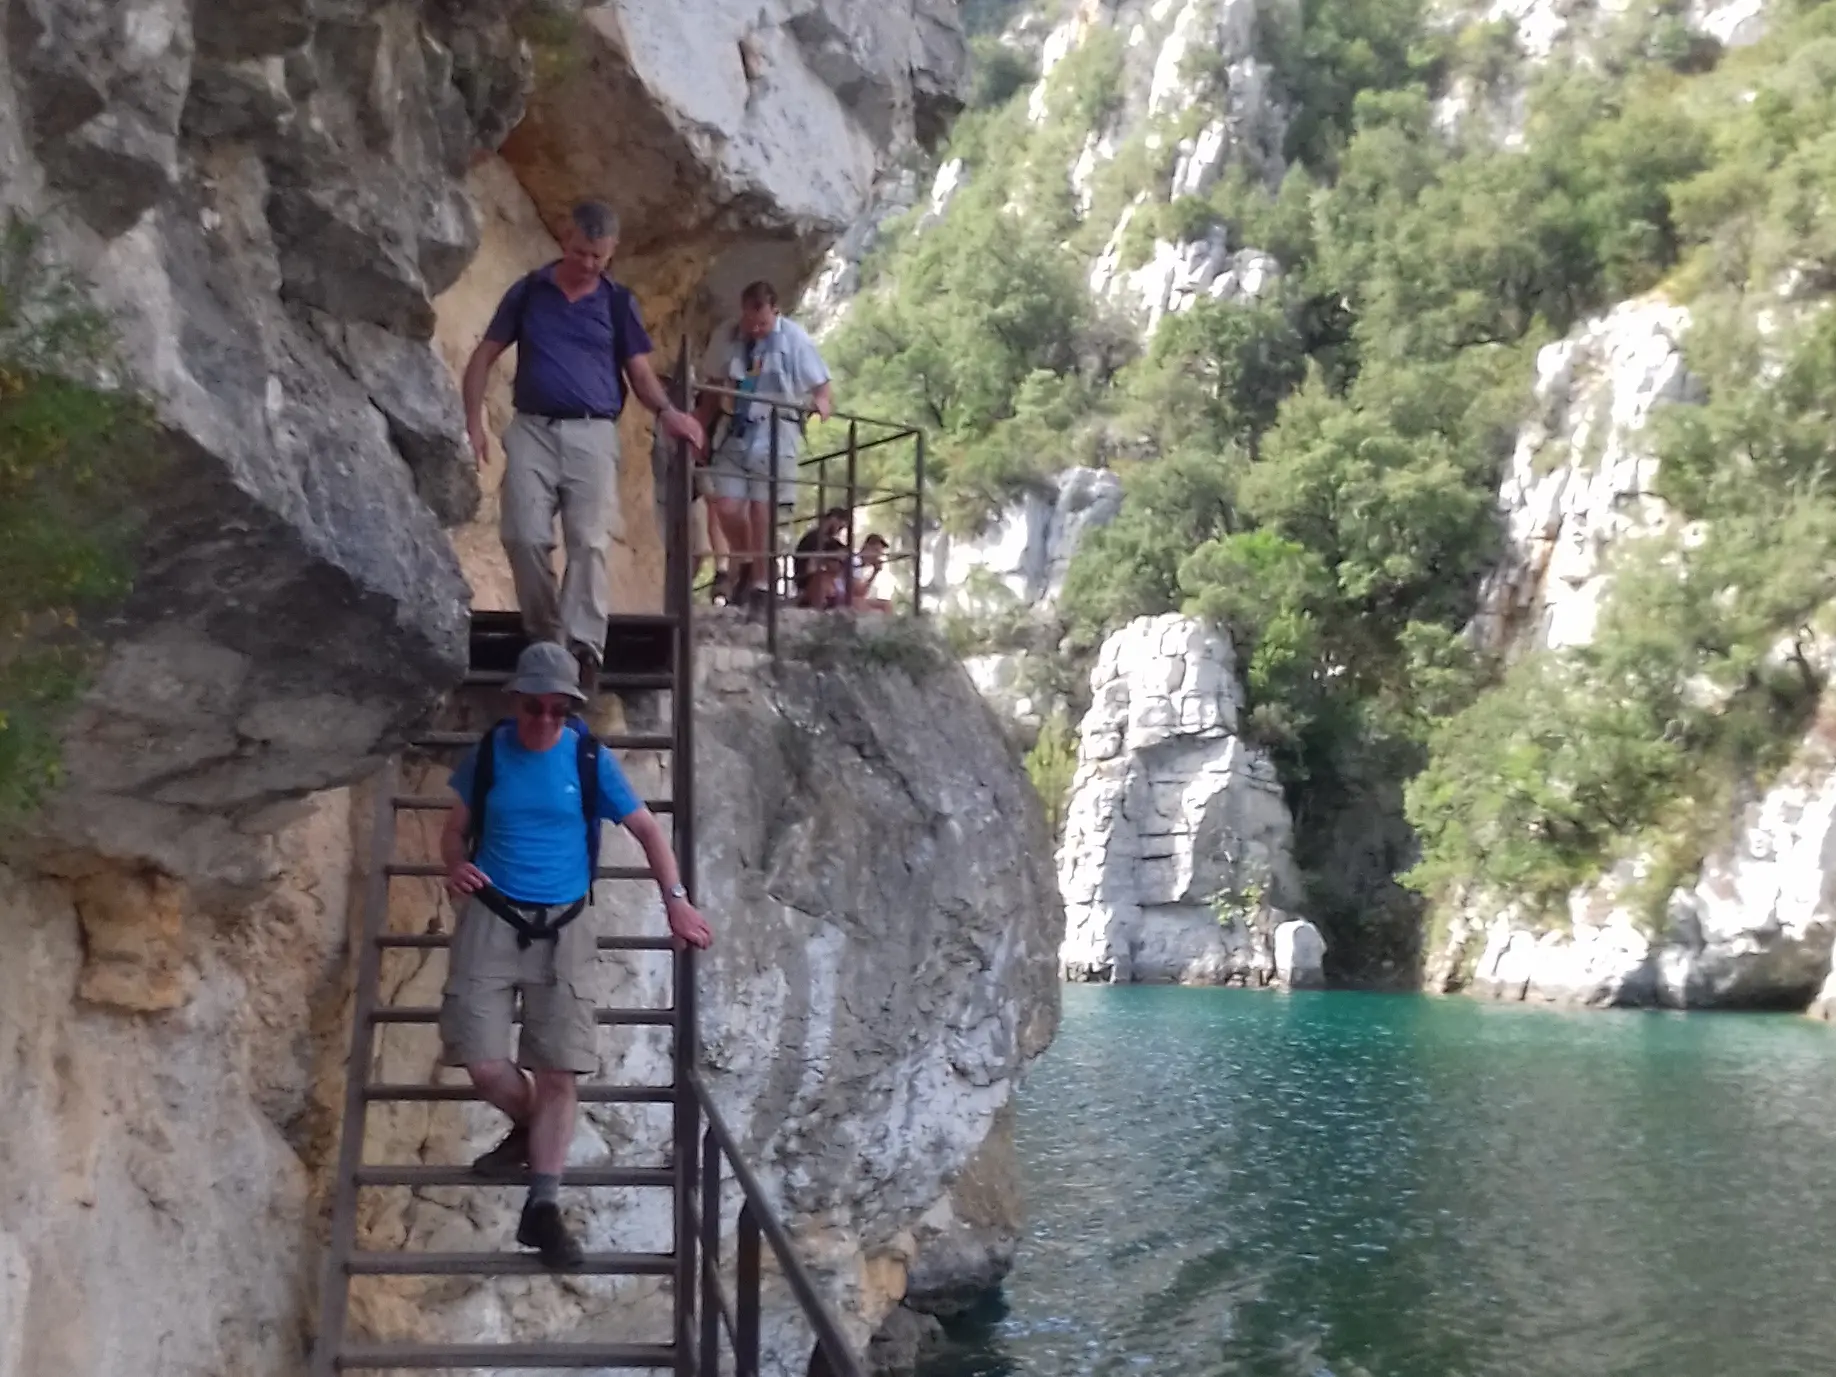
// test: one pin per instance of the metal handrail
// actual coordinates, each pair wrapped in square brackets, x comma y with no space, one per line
[776,484]
[905,428]
[756,1213]
[702,1306]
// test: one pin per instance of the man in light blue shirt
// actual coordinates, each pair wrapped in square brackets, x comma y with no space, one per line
[766,354]
[519,847]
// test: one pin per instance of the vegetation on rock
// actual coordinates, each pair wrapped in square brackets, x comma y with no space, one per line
[73,443]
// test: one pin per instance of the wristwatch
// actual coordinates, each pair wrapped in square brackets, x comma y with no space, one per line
[677,891]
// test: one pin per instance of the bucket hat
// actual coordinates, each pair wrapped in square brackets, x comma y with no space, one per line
[545,667]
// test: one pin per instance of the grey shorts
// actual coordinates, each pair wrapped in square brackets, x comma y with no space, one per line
[737,473]
[488,974]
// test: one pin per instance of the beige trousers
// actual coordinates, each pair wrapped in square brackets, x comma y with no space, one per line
[569,469]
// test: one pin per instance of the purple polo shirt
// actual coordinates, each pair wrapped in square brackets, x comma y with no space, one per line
[570,355]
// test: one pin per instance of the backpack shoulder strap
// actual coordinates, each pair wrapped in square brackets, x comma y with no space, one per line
[484,771]
[586,755]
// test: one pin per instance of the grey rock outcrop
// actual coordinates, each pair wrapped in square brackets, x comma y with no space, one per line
[1582,479]
[750,137]
[1022,557]
[1178,276]
[1176,862]
[1013,572]
[266,196]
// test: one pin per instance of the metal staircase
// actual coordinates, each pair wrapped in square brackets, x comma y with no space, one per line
[716,1290]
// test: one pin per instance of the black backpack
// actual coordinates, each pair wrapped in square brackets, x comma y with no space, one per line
[586,757]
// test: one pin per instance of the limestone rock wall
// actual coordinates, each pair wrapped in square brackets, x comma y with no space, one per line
[1582,479]
[159,1064]
[1176,861]
[267,196]
[1753,929]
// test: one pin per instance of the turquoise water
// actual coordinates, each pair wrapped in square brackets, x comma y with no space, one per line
[1347,1185]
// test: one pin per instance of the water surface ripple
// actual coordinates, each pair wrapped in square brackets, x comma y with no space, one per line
[1345,1185]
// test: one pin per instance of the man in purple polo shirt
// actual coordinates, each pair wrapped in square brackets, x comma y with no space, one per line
[580,346]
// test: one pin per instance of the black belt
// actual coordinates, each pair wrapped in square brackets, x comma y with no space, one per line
[552,416]
[517,915]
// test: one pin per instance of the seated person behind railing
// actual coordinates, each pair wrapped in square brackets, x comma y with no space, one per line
[705,536]
[766,354]
[820,559]
[866,568]
[519,847]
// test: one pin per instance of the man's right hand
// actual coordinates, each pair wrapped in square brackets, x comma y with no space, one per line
[475,432]
[466,878]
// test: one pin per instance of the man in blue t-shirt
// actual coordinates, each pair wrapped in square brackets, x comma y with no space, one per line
[525,875]
[579,345]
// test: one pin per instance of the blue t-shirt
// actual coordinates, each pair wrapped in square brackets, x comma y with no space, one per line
[570,355]
[534,845]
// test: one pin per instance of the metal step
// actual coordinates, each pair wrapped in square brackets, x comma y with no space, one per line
[438,941]
[439,803]
[433,870]
[588,1094]
[618,741]
[587,1355]
[422,1175]
[505,1265]
[407,1013]
[611,680]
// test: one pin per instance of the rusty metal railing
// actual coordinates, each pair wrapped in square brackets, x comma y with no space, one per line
[829,488]
[706,1311]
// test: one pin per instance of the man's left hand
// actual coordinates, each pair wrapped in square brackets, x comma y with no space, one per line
[686,925]
[680,425]
[823,405]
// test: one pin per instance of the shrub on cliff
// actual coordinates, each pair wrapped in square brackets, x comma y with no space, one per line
[73,445]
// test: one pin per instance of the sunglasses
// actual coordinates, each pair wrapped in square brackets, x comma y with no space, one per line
[557,712]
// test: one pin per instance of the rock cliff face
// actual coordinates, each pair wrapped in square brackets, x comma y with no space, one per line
[267,196]
[1754,929]
[1582,479]
[1753,932]
[271,197]
[1176,862]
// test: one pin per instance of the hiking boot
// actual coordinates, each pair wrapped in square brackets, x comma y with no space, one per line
[543,1229]
[508,1158]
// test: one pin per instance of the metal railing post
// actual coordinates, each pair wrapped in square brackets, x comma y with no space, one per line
[710,1256]
[687,1107]
[854,456]
[918,529]
[771,546]
[746,1337]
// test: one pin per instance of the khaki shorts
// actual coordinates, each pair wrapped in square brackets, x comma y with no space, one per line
[486,975]
[737,473]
